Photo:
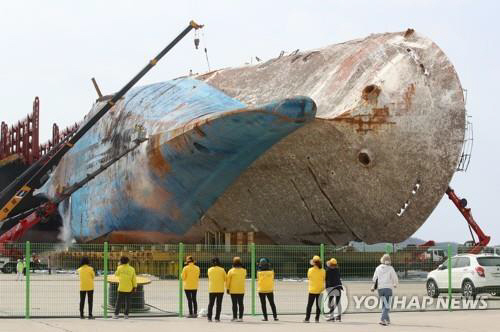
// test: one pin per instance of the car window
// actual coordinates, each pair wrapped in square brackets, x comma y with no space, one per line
[489,261]
[465,261]
[462,262]
[454,262]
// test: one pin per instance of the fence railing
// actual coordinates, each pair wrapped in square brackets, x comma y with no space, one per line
[49,284]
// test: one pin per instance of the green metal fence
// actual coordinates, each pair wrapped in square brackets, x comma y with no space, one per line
[49,285]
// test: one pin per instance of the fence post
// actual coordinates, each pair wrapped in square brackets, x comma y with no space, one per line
[449,276]
[27,256]
[105,286]
[252,250]
[322,255]
[181,255]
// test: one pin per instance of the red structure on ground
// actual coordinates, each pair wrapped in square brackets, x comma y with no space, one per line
[22,139]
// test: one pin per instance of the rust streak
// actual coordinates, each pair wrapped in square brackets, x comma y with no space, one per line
[180,106]
[198,130]
[366,122]
[158,164]
[408,95]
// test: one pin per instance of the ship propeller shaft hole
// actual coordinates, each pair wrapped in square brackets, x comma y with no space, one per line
[364,158]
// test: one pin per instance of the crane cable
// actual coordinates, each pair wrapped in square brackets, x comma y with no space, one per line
[197,44]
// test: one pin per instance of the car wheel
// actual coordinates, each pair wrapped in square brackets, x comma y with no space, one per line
[468,290]
[432,289]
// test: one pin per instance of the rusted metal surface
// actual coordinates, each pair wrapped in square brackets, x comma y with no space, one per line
[371,166]
[390,118]
[200,140]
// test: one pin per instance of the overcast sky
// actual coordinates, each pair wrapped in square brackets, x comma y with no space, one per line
[51,49]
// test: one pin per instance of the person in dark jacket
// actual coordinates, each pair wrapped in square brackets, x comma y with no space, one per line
[334,289]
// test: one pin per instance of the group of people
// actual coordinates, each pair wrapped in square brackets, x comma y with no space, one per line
[233,282]
[319,280]
[127,284]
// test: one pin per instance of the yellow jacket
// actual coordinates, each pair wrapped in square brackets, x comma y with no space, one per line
[265,281]
[316,278]
[87,275]
[126,275]
[235,280]
[216,279]
[190,276]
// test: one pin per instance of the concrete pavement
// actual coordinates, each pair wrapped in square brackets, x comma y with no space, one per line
[482,320]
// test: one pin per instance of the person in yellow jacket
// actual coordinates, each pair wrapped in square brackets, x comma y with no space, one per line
[316,276]
[235,285]
[127,284]
[87,274]
[190,277]
[265,287]
[216,281]
[20,268]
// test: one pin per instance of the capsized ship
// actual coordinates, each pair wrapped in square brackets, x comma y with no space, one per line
[354,141]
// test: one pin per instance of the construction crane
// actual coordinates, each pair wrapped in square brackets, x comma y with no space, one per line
[33,177]
[483,239]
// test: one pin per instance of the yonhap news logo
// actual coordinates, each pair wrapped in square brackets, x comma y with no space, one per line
[337,301]
[418,303]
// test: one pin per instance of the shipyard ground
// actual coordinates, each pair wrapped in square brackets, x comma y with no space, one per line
[414,321]
[57,296]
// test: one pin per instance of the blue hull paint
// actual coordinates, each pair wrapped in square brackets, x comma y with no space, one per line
[201,140]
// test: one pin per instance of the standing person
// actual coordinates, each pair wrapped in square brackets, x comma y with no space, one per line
[190,277]
[19,270]
[265,287]
[235,285]
[386,279]
[334,288]
[127,284]
[216,281]
[316,276]
[86,273]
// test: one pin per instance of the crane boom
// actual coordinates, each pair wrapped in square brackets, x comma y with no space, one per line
[47,209]
[31,179]
[461,205]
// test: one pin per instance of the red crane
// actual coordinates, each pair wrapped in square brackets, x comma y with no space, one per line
[461,204]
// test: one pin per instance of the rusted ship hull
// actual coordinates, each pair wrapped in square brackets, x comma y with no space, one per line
[371,166]
[200,141]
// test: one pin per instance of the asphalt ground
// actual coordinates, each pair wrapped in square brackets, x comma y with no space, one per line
[57,295]
[483,320]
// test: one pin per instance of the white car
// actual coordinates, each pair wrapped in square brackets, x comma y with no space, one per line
[470,275]
[3,261]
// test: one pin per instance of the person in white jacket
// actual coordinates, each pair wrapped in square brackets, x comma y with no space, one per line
[385,280]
